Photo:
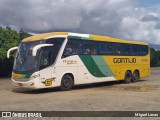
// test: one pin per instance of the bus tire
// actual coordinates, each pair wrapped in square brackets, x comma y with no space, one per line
[128,77]
[66,83]
[135,76]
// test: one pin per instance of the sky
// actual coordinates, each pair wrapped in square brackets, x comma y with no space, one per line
[137,20]
[149,3]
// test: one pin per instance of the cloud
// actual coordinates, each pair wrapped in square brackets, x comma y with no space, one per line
[157,26]
[153,17]
[124,19]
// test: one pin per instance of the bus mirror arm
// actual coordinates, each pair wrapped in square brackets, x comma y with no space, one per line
[9,51]
[35,49]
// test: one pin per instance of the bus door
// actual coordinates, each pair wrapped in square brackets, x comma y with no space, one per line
[45,64]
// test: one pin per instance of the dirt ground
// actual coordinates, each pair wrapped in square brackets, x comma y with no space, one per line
[109,96]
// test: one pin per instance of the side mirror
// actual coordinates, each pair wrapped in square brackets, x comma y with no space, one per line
[35,49]
[11,49]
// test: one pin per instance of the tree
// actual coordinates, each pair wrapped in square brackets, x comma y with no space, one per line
[158,55]
[153,57]
[23,34]
[9,38]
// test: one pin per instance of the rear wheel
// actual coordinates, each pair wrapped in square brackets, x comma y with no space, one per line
[66,83]
[127,77]
[135,76]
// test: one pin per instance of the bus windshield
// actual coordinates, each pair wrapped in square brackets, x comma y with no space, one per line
[24,60]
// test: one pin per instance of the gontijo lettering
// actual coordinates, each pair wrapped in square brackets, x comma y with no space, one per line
[124,60]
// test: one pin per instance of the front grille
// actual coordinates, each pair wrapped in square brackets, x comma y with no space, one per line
[21,79]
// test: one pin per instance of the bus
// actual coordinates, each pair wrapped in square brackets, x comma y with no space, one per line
[64,59]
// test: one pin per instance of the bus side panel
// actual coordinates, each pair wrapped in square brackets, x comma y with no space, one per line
[89,68]
[72,65]
[97,68]
[119,65]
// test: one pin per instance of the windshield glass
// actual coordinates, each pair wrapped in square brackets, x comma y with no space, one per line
[24,60]
[46,56]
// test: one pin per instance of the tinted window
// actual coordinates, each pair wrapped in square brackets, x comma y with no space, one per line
[45,57]
[56,47]
[73,47]
[104,48]
[89,47]
[144,50]
[126,49]
[56,41]
[108,48]
[24,61]
[116,49]
[135,50]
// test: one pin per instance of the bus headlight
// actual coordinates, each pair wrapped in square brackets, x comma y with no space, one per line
[33,77]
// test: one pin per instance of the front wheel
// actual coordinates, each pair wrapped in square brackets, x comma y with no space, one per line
[66,83]
[127,77]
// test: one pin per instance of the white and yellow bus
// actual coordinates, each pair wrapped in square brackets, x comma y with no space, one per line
[62,59]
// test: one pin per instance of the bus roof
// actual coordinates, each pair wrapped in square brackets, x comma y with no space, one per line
[43,36]
[82,36]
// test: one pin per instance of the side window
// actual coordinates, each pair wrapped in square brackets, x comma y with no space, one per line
[73,47]
[109,48]
[135,50]
[45,57]
[126,49]
[139,50]
[116,49]
[144,50]
[90,47]
[105,48]
[102,47]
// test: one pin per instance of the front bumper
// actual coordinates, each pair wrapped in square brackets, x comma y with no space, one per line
[26,84]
